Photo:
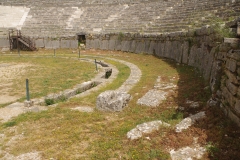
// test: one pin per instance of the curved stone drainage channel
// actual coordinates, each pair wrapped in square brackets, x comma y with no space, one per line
[80,90]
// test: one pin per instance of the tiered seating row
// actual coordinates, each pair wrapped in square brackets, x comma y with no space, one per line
[63,18]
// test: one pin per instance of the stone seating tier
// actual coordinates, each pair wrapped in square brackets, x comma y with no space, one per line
[68,17]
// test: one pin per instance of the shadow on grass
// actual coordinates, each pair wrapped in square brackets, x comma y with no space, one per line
[220,135]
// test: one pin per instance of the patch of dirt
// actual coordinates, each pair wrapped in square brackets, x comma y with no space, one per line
[8,73]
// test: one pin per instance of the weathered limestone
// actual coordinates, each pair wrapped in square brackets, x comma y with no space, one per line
[4,43]
[188,153]
[65,43]
[72,92]
[39,43]
[152,98]
[83,109]
[112,101]
[145,128]
[187,122]
[156,96]
[29,103]
[16,109]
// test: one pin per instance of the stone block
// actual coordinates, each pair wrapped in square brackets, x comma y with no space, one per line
[55,44]
[89,43]
[185,49]
[140,47]
[147,45]
[207,62]
[160,48]
[74,44]
[177,51]
[221,55]
[118,45]
[231,87]
[152,48]
[96,44]
[233,117]
[231,40]
[133,46]
[126,46]
[231,65]
[168,50]
[28,103]
[192,60]
[234,55]
[229,97]
[48,43]
[39,43]
[65,43]
[216,74]
[112,101]
[231,76]
[237,106]
[112,44]
[104,45]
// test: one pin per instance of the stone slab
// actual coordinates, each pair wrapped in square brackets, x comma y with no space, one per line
[133,46]
[188,153]
[39,43]
[152,98]
[152,48]
[74,44]
[4,43]
[126,46]
[112,44]
[83,109]
[118,45]
[48,43]
[231,40]
[147,45]
[185,48]
[55,44]
[65,43]
[145,128]
[189,121]
[104,45]
[140,47]
[88,43]
[96,44]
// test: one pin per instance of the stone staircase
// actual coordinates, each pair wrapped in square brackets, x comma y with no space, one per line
[18,41]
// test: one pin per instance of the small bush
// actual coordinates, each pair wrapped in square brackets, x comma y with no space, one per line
[9,124]
[49,102]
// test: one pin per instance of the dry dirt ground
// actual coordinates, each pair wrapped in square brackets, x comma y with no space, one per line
[8,73]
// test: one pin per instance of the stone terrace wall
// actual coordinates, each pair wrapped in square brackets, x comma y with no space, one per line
[218,62]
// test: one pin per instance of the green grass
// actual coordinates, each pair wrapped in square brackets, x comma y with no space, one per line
[61,133]
[48,75]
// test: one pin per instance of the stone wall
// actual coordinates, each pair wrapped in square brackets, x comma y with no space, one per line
[47,43]
[218,62]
